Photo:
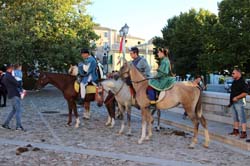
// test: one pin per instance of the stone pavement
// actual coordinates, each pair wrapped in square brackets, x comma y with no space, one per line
[218,131]
[93,143]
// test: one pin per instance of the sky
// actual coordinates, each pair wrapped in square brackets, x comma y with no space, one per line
[145,18]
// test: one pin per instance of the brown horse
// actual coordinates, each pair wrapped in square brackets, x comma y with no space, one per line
[108,100]
[184,93]
[65,83]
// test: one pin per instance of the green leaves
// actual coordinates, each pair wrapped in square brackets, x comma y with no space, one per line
[49,32]
[202,42]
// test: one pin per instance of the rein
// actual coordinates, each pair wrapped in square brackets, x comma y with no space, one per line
[119,89]
[127,72]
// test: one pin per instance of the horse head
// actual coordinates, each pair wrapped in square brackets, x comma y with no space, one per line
[42,80]
[73,70]
[124,70]
[99,96]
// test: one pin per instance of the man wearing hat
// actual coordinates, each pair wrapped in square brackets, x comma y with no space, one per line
[13,94]
[87,69]
[140,63]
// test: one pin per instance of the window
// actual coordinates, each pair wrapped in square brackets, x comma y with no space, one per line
[105,34]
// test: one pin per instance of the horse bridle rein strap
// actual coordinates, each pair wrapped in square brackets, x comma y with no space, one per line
[107,102]
[145,79]
[120,88]
[140,80]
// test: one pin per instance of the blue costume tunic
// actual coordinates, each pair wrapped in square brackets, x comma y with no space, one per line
[91,62]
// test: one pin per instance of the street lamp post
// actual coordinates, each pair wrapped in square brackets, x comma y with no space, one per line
[123,33]
[107,49]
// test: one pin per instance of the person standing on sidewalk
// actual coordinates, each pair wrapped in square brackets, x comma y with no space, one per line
[237,103]
[18,74]
[13,94]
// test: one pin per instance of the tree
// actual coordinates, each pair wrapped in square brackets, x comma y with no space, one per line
[47,32]
[234,16]
[183,35]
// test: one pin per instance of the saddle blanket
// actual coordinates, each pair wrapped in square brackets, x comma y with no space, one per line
[89,89]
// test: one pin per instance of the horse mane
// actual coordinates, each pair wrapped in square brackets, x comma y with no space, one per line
[111,84]
[66,78]
[62,75]
[137,77]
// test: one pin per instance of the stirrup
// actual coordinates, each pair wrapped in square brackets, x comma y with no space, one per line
[153,102]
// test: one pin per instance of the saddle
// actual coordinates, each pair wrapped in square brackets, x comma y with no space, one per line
[159,97]
[89,89]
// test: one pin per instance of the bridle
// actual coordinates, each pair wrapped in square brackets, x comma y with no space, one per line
[127,72]
[104,90]
[41,80]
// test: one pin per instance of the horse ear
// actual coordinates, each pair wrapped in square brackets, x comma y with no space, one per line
[125,60]
[116,76]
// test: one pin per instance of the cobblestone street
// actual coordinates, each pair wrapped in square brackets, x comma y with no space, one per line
[51,142]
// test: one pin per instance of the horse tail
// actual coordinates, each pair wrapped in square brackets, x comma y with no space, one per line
[198,107]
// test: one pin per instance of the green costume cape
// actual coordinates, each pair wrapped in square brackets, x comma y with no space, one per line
[163,80]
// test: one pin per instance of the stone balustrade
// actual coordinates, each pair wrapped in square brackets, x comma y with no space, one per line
[215,107]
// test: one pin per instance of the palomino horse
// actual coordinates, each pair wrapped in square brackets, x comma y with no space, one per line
[125,99]
[184,93]
[65,83]
[109,101]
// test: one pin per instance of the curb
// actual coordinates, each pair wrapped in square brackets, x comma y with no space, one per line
[233,141]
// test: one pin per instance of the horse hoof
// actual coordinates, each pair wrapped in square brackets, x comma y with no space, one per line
[129,134]
[86,118]
[107,124]
[191,146]
[205,145]
[77,126]
[140,141]
[148,138]
[158,129]
[118,134]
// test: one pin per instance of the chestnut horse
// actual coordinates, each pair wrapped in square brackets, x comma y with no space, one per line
[65,83]
[104,97]
[184,93]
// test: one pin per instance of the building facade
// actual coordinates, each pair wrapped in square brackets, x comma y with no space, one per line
[107,48]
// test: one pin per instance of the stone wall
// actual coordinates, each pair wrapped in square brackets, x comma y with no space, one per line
[215,107]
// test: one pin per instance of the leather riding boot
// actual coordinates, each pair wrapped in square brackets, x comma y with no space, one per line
[243,135]
[235,132]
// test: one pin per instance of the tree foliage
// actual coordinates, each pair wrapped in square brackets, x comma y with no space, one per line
[47,32]
[234,16]
[202,42]
[183,34]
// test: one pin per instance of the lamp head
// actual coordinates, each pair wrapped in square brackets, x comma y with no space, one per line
[121,33]
[125,29]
